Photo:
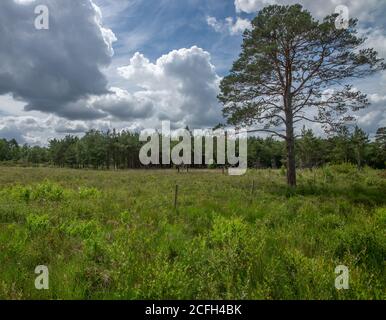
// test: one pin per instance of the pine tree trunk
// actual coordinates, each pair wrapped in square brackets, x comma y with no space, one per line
[291,162]
[290,141]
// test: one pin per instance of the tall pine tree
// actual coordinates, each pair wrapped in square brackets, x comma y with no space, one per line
[293,69]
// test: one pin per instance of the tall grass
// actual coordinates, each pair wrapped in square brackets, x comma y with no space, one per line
[116,235]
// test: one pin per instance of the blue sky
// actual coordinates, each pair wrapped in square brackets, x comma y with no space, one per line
[170,24]
[157,27]
[129,64]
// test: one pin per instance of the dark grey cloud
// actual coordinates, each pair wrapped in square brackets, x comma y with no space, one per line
[39,130]
[80,110]
[123,105]
[19,127]
[51,69]
[65,128]
[10,133]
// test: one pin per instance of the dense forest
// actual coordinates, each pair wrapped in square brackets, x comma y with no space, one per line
[120,150]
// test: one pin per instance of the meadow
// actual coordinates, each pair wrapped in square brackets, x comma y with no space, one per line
[117,234]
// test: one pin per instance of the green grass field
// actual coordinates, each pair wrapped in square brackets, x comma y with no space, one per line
[116,235]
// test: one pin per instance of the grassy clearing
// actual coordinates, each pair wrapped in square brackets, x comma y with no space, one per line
[116,235]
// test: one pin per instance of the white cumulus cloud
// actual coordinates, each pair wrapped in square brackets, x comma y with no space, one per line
[182,86]
[230,25]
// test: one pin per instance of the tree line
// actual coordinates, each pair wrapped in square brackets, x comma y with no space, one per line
[120,150]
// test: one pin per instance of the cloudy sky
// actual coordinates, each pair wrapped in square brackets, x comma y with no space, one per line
[133,63]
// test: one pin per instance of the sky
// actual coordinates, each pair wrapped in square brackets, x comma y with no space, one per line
[130,64]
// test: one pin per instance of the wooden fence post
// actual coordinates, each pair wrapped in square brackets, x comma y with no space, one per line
[176,197]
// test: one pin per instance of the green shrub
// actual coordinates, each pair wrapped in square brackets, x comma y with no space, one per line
[367,246]
[37,223]
[48,191]
[345,168]
[82,229]
[21,193]
[125,216]
[228,231]
[328,174]
[380,215]
[86,193]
